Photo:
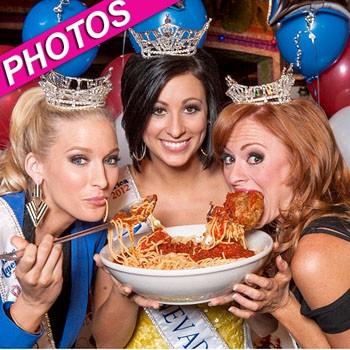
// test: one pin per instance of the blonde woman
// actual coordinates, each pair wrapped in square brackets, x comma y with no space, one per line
[55,176]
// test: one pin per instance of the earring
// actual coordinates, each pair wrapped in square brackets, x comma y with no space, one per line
[143,153]
[205,154]
[37,208]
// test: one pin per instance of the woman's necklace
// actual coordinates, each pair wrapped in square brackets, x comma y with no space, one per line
[48,329]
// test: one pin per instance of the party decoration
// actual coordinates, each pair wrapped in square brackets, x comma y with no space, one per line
[187,14]
[114,102]
[340,124]
[48,13]
[5,48]
[331,90]
[123,145]
[5,114]
[306,38]
[7,102]
[282,8]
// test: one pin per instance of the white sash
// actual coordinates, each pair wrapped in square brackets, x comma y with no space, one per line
[123,195]
[9,285]
[185,327]
[180,326]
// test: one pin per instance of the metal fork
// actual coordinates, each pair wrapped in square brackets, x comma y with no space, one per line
[210,211]
[19,253]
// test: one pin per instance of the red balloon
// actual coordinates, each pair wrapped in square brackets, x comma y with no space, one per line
[7,102]
[5,48]
[114,102]
[331,90]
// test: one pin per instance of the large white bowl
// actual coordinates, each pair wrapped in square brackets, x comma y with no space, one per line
[191,286]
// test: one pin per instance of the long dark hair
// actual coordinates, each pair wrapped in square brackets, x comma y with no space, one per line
[143,81]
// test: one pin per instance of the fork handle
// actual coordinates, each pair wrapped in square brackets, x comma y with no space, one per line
[19,253]
[83,233]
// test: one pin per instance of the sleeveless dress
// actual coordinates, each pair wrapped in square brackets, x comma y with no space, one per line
[335,317]
[223,328]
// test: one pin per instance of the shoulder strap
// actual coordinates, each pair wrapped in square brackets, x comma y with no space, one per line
[330,225]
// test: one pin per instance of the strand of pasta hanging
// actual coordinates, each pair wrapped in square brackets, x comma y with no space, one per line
[137,213]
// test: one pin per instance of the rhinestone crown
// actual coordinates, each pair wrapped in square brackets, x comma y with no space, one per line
[169,39]
[276,92]
[75,93]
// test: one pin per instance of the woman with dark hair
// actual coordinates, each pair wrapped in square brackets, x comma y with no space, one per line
[147,78]
[287,151]
[170,104]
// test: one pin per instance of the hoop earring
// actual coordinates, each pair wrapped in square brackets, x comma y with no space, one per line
[37,208]
[205,154]
[143,153]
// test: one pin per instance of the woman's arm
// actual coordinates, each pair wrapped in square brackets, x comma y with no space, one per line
[39,273]
[115,309]
[320,270]
[13,336]
[114,314]
[271,295]
[305,331]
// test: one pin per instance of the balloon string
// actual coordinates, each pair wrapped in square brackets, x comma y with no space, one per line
[59,9]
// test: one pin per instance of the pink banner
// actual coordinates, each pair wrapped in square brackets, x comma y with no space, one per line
[71,38]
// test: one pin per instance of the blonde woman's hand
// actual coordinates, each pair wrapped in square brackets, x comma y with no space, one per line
[126,290]
[39,273]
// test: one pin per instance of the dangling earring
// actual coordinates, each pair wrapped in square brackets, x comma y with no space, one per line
[143,153]
[37,208]
[205,154]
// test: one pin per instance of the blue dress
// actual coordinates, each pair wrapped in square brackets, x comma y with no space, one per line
[82,270]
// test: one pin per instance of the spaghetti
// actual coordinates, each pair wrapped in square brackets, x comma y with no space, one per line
[223,241]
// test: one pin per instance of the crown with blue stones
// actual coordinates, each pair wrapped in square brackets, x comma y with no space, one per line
[75,93]
[169,39]
[276,92]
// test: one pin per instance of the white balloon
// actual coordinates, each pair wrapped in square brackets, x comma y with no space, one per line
[340,123]
[124,153]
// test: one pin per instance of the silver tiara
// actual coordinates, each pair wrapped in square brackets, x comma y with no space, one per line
[169,39]
[276,92]
[75,93]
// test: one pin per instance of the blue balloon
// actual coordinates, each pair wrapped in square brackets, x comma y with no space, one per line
[42,17]
[312,49]
[187,14]
[274,6]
